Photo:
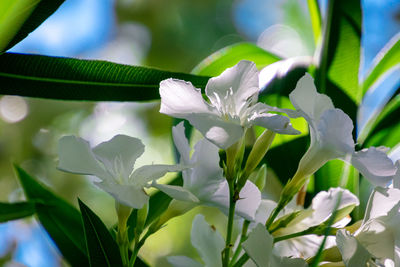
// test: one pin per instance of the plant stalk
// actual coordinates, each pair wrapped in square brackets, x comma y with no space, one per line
[231,215]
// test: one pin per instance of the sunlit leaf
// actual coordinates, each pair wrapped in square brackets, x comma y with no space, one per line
[340,53]
[15,211]
[229,56]
[18,18]
[315,16]
[102,248]
[76,79]
[61,220]
[387,59]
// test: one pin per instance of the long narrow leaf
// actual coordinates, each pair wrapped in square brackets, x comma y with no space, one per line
[340,53]
[75,79]
[387,59]
[14,211]
[23,17]
[61,220]
[102,248]
[315,16]
[385,129]
[228,56]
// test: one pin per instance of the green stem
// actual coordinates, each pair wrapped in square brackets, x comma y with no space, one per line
[273,215]
[138,246]
[123,244]
[242,239]
[231,215]
[242,260]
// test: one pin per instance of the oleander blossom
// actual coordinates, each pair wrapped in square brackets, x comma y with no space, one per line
[204,183]
[232,105]
[378,238]
[112,162]
[331,137]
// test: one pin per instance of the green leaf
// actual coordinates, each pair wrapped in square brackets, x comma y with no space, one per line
[229,56]
[384,130]
[18,18]
[102,248]
[75,79]
[335,173]
[159,202]
[284,159]
[315,16]
[15,211]
[387,59]
[61,220]
[340,53]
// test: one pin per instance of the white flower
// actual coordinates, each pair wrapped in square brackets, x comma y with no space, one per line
[331,136]
[204,183]
[208,243]
[113,163]
[259,246]
[379,234]
[233,105]
[319,212]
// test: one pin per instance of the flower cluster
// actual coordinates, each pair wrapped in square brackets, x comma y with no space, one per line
[272,234]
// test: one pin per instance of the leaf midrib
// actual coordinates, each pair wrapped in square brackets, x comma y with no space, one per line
[54,80]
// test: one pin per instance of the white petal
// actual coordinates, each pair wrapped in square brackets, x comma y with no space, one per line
[242,79]
[381,201]
[396,178]
[377,238]
[277,261]
[259,246]
[182,261]
[141,176]
[305,98]
[222,133]
[246,207]
[207,241]
[335,132]
[264,210]
[181,142]
[353,253]
[249,201]
[180,98]
[176,192]
[129,195]
[375,165]
[324,203]
[119,154]
[332,138]
[206,176]
[76,156]
[274,122]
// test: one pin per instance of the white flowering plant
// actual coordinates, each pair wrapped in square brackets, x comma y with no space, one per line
[276,157]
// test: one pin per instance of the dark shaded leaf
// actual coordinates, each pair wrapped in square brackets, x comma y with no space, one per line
[284,159]
[15,211]
[40,13]
[159,202]
[102,248]
[76,79]
[385,129]
[61,220]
